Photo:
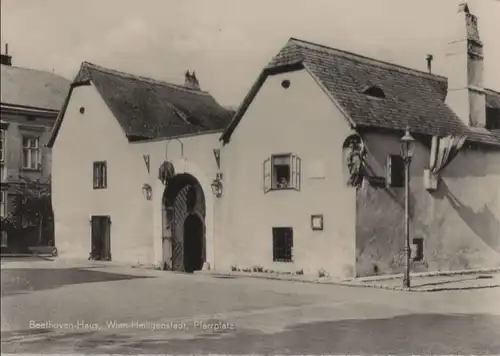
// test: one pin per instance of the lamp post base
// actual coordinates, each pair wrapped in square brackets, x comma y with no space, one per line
[406,282]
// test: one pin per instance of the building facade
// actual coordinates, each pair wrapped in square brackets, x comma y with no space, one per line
[306,176]
[30,103]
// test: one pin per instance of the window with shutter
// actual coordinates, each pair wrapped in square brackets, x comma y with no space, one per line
[282,172]
[100,175]
[395,171]
[267,175]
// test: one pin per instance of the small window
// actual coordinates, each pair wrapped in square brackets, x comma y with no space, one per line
[282,244]
[282,172]
[3,203]
[374,92]
[419,249]
[32,158]
[395,171]
[2,146]
[100,175]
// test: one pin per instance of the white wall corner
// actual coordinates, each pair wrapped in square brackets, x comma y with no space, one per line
[430,180]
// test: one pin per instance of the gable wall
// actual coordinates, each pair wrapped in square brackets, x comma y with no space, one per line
[83,139]
[460,221]
[304,121]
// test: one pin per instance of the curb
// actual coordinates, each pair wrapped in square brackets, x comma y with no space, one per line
[361,284]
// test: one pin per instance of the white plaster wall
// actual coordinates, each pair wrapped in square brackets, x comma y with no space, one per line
[303,120]
[192,155]
[97,136]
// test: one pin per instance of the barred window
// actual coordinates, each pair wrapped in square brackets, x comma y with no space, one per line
[100,175]
[282,244]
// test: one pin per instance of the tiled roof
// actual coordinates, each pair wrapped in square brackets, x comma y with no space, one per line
[148,108]
[411,97]
[32,88]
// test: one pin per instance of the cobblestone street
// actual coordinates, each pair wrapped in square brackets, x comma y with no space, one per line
[125,310]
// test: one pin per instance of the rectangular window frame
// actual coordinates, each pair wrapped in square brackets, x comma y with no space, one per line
[282,254]
[31,155]
[295,172]
[3,203]
[395,161]
[2,146]
[100,175]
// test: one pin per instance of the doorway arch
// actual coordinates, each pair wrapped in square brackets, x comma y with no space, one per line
[183,208]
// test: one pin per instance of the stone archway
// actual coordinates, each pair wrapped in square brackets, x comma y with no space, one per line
[183,207]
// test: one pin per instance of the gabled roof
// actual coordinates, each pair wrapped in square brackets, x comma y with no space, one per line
[32,88]
[148,108]
[411,96]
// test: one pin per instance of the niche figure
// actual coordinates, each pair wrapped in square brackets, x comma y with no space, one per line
[355,160]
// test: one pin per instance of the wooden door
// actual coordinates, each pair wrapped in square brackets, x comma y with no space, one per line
[101,238]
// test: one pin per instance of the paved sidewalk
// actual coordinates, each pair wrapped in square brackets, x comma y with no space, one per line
[423,282]
[420,282]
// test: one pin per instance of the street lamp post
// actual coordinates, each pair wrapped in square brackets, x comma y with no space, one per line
[407,148]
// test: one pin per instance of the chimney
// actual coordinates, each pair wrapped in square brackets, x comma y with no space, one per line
[464,60]
[429,59]
[5,58]
[191,81]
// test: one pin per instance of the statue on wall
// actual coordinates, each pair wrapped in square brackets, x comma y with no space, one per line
[355,160]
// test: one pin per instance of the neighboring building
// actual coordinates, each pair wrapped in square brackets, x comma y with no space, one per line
[30,103]
[275,190]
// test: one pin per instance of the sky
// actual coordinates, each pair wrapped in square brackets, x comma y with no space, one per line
[228,42]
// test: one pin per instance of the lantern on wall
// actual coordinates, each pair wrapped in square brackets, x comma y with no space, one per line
[217,186]
[147,191]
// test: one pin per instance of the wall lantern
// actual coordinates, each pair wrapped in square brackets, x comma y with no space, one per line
[147,191]
[217,185]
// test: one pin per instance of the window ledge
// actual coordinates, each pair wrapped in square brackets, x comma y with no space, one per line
[288,188]
[31,169]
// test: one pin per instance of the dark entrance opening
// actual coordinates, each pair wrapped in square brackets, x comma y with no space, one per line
[184,224]
[101,240]
[193,243]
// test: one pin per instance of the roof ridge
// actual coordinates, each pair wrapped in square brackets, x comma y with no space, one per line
[142,78]
[358,57]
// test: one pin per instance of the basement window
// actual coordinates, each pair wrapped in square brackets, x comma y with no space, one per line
[282,171]
[374,92]
[282,244]
[395,175]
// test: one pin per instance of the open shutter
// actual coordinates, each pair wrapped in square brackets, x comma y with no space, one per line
[40,158]
[104,175]
[293,172]
[388,171]
[267,175]
[96,175]
[298,174]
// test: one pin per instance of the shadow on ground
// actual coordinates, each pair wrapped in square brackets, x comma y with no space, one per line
[20,281]
[407,334]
